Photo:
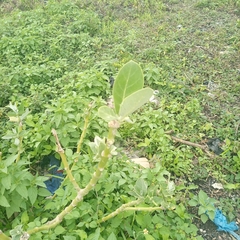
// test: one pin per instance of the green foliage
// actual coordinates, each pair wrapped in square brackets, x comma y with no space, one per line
[56,59]
[206,206]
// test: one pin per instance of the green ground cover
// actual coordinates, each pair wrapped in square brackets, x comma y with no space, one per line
[58,57]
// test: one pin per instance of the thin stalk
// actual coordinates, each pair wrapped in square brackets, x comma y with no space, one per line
[83,134]
[20,141]
[119,210]
[64,161]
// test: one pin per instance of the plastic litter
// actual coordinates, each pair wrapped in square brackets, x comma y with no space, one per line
[54,182]
[214,145]
[221,222]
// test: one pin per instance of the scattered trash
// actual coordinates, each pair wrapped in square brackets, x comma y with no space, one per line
[214,145]
[111,81]
[221,222]
[211,86]
[57,176]
[154,99]
[217,186]
[141,161]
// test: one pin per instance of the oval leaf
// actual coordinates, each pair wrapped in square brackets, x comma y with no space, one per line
[4,202]
[107,113]
[129,80]
[135,101]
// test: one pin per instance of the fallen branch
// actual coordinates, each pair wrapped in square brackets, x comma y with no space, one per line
[203,147]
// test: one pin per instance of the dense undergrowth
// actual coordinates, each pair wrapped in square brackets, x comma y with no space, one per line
[58,57]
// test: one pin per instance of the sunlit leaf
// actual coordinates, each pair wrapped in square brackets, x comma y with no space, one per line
[106,113]
[112,236]
[135,101]
[4,202]
[32,194]
[141,187]
[129,80]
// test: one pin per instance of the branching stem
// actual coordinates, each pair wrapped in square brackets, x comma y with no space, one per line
[64,161]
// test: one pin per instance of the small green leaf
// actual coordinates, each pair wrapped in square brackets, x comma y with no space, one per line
[59,230]
[204,218]
[134,101]
[201,210]
[149,237]
[129,80]
[193,203]
[57,119]
[82,234]
[95,236]
[22,190]
[6,181]
[211,214]
[202,196]
[4,202]
[10,160]
[32,194]
[107,113]
[141,187]
[231,186]
[112,236]
[24,218]
[43,192]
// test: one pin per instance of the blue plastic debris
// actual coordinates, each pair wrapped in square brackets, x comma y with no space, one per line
[54,182]
[221,222]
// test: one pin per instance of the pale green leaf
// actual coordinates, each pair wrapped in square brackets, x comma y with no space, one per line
[22,190]
[149,237]
[107,113]
[4,202]
[43,192]
[141,187]
[32,194]
[204,218]
[135,101]
[129,80]
[112,236]
[10,160]
[59,230]
[6,181]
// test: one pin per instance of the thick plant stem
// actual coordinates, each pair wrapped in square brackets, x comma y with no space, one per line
[64,161]
[106,153]
[3,236]
[119,210]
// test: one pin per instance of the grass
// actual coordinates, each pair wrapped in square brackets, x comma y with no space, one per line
[183,48]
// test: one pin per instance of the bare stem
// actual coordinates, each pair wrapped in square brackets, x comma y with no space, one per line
[20,141]
[86,121]
[119,210]
[64,161]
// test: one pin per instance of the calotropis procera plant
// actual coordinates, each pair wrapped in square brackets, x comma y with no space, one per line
[128,95]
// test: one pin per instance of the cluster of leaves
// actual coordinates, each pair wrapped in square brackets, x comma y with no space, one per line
[44,45]
[58,58]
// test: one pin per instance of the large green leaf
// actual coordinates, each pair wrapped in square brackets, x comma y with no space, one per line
[107,113]
[129,80]
[135,101]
